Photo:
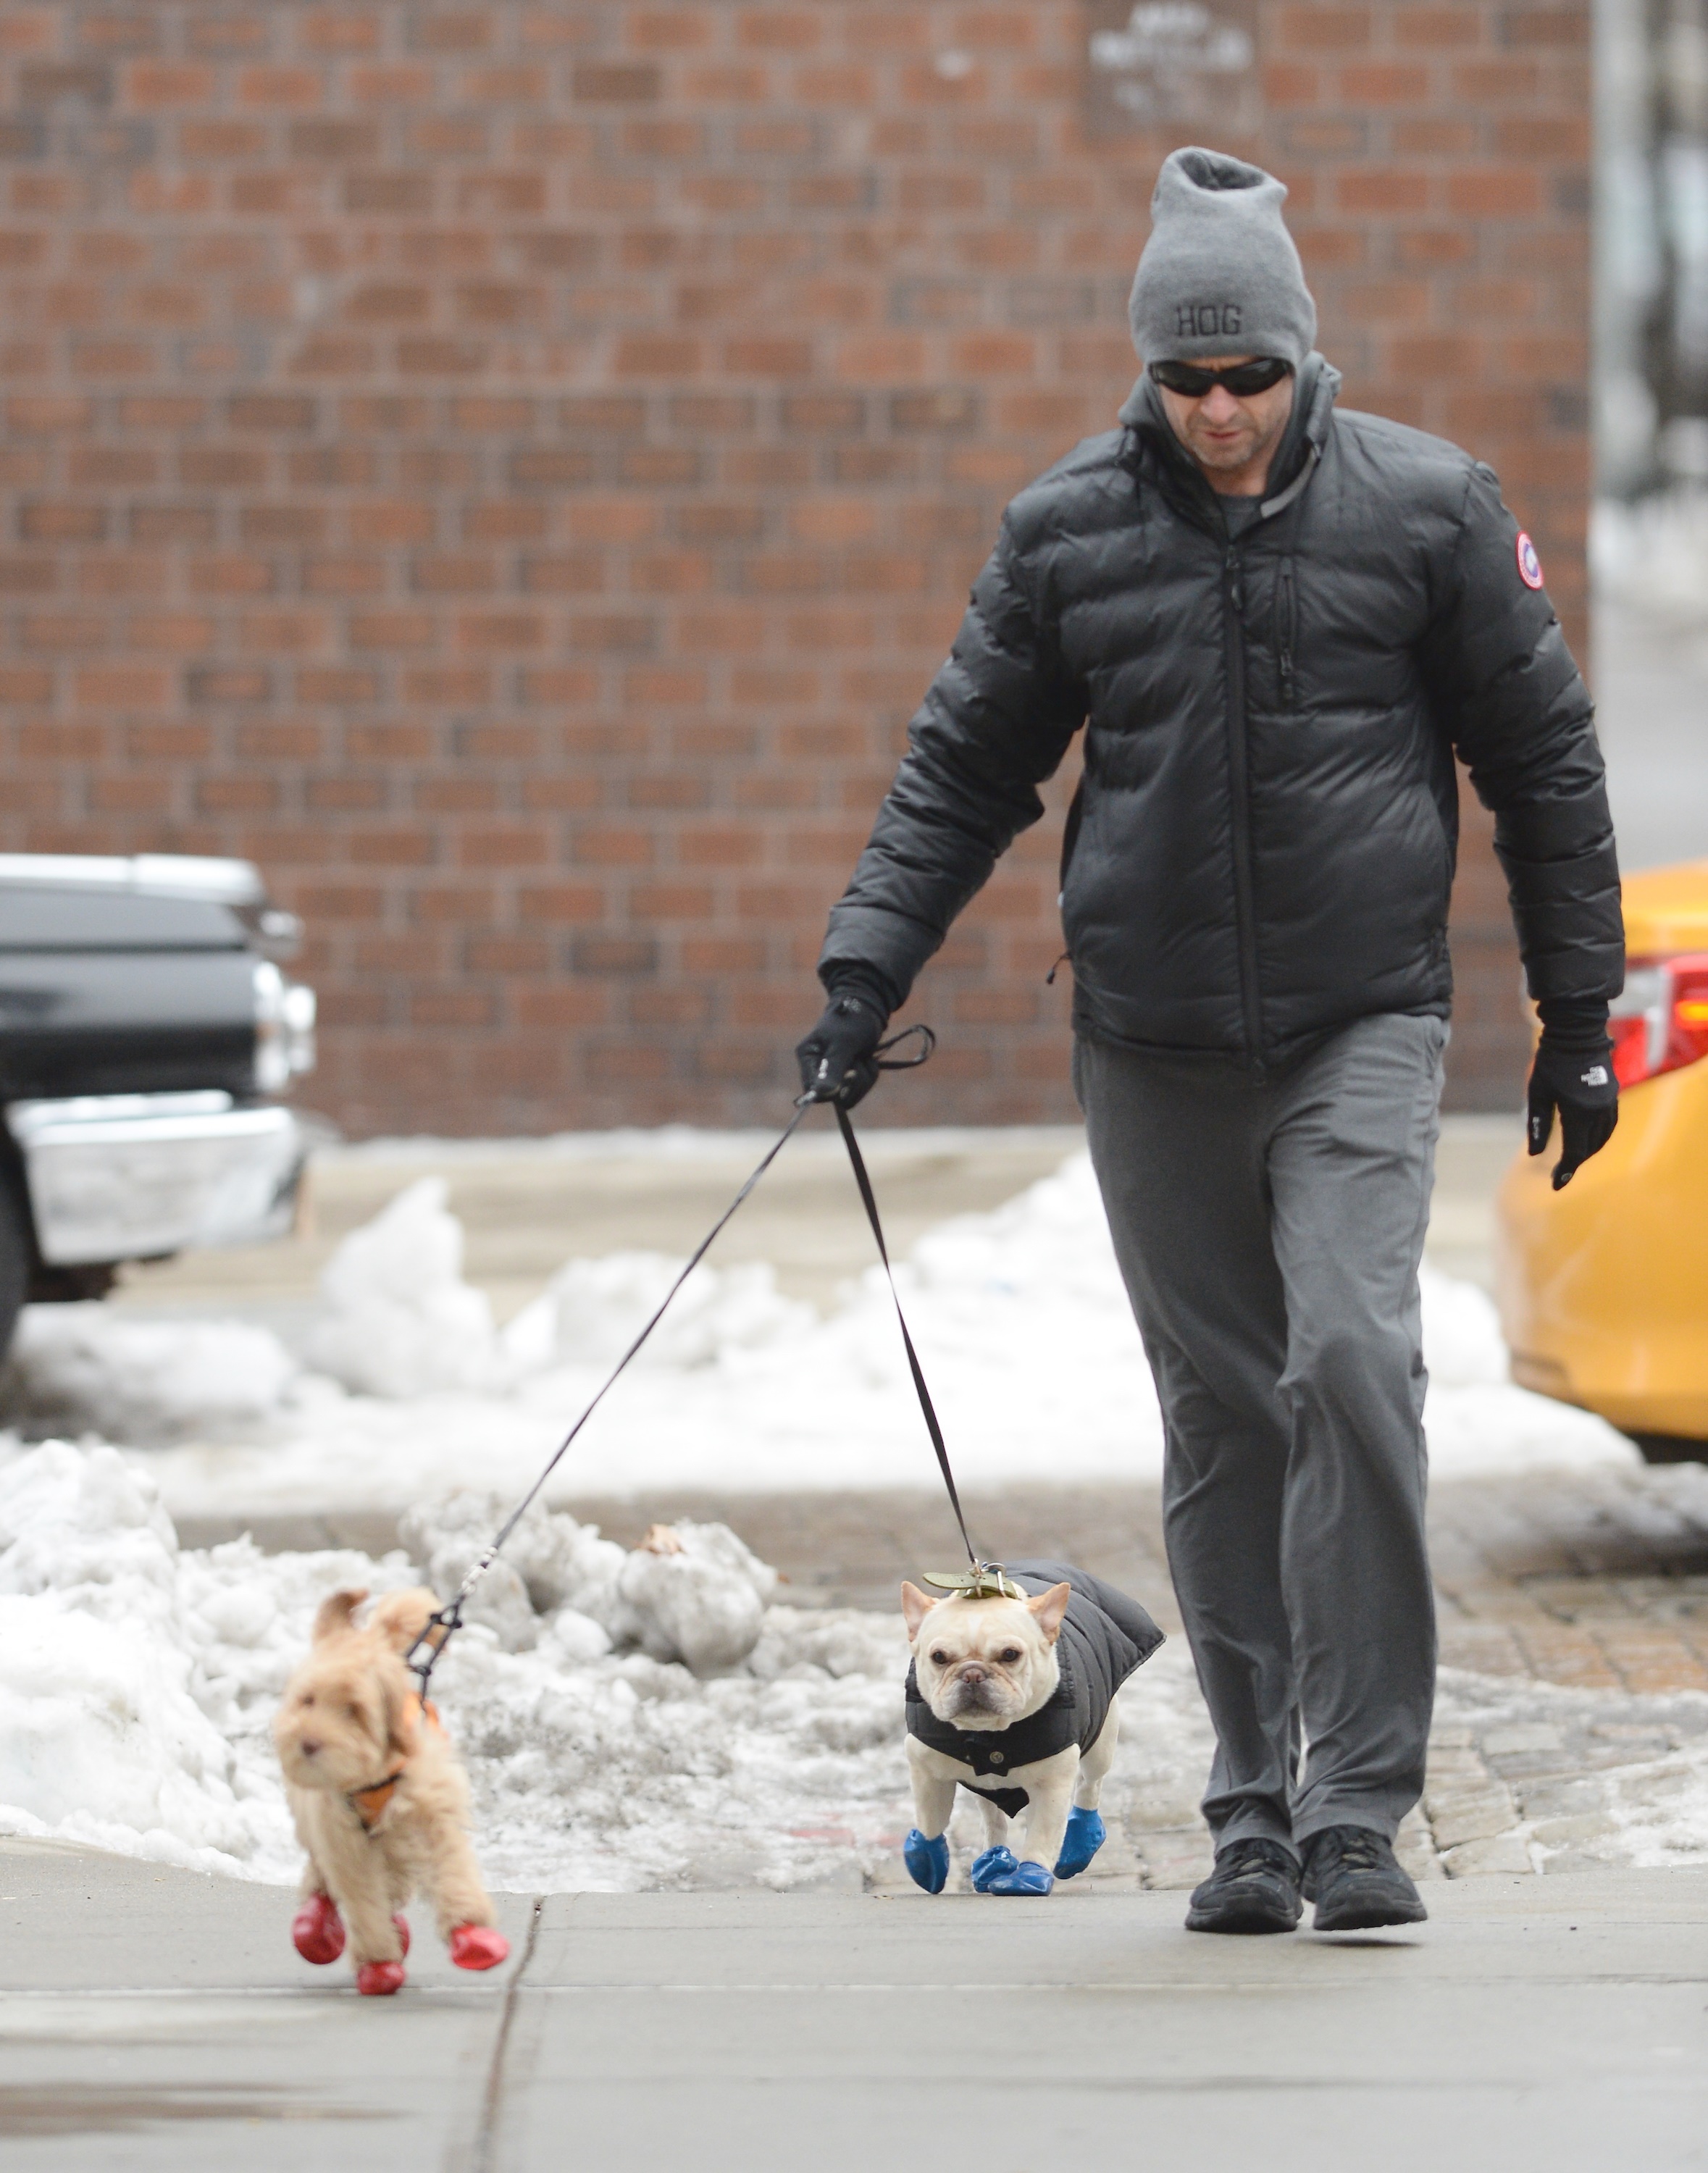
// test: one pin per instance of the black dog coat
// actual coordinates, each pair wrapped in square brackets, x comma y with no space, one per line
[1104,1637]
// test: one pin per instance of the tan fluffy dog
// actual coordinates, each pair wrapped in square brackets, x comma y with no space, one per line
[380,1802]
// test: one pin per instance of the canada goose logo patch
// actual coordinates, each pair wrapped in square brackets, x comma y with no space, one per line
[1529,565]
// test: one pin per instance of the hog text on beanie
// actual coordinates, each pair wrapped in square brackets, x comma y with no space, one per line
[1220,275]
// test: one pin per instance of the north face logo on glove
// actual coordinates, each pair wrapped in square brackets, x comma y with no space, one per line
[1596,1076]
[1205,319]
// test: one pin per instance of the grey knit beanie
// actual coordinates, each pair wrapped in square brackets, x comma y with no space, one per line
[1219,274]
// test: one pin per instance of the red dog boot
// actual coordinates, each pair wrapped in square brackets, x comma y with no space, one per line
[317,1931]
[402,1931]
[376,1979]
[477,1946]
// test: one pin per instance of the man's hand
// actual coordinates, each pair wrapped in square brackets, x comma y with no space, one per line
[837,1060]
[1580,1083]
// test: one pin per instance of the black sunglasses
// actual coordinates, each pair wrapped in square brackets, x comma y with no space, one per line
[1242,379]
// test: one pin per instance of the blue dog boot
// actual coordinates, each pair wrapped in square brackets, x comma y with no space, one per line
[1085,1835]
[927,1861]
[995,1863]
[1023,1878]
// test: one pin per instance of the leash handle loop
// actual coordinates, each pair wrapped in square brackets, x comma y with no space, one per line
[868,1200]
[928,1044]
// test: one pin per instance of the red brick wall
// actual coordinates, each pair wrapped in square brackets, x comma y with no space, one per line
[512,470]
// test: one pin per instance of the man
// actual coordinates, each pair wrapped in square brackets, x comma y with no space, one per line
[1277,624]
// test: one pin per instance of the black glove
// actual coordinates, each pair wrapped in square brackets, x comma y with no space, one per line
[1575,1075]
[838,1059]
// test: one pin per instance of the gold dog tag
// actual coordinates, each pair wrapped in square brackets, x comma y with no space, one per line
[986,1582]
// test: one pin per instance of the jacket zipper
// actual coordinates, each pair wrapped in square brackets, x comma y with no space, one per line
[1233,603]
[1287,630]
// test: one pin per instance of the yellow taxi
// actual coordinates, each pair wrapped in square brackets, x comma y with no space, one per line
[1603,1287]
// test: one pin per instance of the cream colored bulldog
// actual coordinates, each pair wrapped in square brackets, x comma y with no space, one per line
[1011,1696]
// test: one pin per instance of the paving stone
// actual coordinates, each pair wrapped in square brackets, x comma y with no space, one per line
[1415,1847]
[1177,1858]
[1507,1852]
[1459,1816]
[1484,1650]
[1563,1833]
[1525,1739]
[1556,1799]
[1565,1862]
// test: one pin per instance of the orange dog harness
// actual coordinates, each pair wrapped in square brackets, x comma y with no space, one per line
[370,1804]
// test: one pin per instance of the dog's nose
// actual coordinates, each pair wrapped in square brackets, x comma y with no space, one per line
[308,1748]
[973,1675]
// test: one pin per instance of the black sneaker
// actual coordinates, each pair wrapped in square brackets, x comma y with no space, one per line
[1254,1888]
[1351,1874]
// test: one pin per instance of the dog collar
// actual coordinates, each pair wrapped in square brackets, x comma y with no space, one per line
[983,1581]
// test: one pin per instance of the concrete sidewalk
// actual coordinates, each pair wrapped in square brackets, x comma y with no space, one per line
[152,2018]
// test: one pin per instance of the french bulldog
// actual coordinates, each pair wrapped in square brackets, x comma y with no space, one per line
[1011,1695]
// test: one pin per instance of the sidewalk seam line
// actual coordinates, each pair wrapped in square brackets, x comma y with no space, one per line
[491,2098]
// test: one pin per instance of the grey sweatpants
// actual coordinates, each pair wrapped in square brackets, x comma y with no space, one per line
[1269,1235]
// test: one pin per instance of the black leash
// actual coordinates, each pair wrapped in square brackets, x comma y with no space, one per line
[447,1620]
[926,1405]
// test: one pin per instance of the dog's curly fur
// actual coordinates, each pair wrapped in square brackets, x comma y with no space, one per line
[348,1720]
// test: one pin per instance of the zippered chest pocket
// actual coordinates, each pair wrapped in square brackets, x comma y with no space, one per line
[1287,634]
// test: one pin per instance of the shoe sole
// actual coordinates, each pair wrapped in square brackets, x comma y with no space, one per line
[1371,1916]
[1247,1923]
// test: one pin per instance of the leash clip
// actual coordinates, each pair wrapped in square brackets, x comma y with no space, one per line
[446,1619]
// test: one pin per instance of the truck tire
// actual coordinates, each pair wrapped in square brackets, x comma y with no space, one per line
[16,1263]
[1670,1447]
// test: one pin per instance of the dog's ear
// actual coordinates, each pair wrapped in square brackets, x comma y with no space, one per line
[916,1606]
[401,1617]
[333,1618]
[402,1716]
[1049,1607]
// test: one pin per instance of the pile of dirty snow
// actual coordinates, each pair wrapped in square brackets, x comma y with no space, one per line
[409,1391]
[94,1369]
[689,1591]
[137,1683]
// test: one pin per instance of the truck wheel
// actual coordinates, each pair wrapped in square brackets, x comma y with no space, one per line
[1670,1447]
[15,1262]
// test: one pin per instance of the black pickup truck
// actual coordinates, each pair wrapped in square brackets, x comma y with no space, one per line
[146,1034]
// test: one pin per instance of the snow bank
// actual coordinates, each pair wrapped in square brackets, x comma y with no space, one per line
[1018,1315]
[592,1310]
[689,1591]
[88,1368]
[129,1673]
[1653,553]
[137,1682]
[401,1321]
[1020,1318]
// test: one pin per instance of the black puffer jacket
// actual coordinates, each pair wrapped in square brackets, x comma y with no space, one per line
[1263,846]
